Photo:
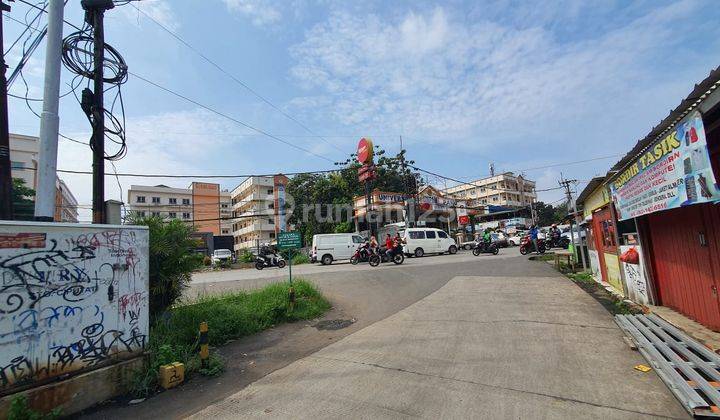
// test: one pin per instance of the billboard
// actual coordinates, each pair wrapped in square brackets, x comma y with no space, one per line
[675,171]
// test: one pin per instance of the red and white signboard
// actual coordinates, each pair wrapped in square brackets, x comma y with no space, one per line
[365,151]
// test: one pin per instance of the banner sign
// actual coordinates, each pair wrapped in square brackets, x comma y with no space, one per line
[391,198]
[673,172]
[289,240]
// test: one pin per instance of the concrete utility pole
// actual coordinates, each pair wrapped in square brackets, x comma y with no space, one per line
[50,120]
[571,202]
[6,210]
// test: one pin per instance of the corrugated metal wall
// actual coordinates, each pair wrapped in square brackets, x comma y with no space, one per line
[685,246]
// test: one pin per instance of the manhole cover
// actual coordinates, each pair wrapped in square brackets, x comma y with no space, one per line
[334,324]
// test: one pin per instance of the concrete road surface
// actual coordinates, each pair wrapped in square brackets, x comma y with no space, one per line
[481,346]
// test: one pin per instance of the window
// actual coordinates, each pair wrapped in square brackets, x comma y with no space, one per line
[186,215]
[270,191]
[172,200]
[186,201]
[155,213]
[417,234]
[156,200]
[140,199]
[442,234]
[271,221]
[430,234]
[357,239]
[172,215]
[225,231]
[272,235]
[495,198]
[140,213]
[271,206]
[17,165]
[224,205]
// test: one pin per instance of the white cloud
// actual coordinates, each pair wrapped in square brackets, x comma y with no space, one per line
[183,142]
[260,12]
[442,75]
[159,10]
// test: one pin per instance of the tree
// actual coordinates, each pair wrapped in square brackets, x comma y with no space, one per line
[171,260]
[23,200]
[547,214]
[340,188]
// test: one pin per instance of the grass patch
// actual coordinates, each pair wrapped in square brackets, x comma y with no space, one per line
[606,299]
[174,338]
[298,259]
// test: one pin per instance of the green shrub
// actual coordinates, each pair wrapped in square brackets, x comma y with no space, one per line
[300,258]
[171,260]
[247,256]
[207,261]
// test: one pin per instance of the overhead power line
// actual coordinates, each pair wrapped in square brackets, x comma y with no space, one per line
[235,120]
[136,175]
[208,108]
[235,79]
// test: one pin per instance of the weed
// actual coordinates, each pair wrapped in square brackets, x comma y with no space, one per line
[19,410]
[174,338]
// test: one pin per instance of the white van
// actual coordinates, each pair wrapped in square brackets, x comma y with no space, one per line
[421,241]
[330,247]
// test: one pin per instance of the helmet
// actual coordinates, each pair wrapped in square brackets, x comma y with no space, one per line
[554,225]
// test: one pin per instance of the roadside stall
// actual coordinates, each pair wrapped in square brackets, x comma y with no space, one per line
[666,195]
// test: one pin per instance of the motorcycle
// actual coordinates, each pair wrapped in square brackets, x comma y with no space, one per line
[269,261]
[362,254]
[483,247]
[558,242]
[398,257]
[527,246]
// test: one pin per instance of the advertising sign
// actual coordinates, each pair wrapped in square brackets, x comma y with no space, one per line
[673,172]
[462,215]
[635,277]
[365,151]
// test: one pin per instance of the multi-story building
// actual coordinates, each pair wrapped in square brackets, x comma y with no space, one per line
[258,213]
[504,190]
[24,163]
[204,205]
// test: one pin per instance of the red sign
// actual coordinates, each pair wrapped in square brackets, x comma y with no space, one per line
[463,220]
[365,151]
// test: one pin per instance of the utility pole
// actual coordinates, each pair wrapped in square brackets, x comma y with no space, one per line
[571,202]
[406,187]
[94,14]
[532,206]
[50,120]
[6,209]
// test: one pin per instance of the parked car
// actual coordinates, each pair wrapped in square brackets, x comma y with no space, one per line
[499,239]
[516,239]
[421,241]
[220,256]
[330,247]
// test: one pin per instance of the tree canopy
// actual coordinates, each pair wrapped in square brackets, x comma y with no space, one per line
[23,200]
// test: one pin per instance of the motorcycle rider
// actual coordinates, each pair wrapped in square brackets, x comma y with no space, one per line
[389,245]
[487,237]
[554,235]
[534,237]
[268,253]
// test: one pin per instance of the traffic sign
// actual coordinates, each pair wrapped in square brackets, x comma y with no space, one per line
[289,240]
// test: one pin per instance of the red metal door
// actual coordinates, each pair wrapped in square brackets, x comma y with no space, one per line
[684,250]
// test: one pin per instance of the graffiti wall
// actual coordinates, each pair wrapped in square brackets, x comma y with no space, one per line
[72,297]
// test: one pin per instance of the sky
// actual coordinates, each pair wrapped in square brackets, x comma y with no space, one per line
[520,84]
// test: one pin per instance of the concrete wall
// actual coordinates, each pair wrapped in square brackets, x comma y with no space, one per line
[72,298]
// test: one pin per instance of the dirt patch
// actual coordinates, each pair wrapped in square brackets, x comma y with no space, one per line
[334,324]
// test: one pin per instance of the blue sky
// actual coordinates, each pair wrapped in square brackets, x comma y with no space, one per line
[520,84]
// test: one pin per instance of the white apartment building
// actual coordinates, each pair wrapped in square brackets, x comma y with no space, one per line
[208,212]
[257,211]
[24,162]
[505,190]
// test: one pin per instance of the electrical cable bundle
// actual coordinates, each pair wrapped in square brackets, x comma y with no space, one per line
[78,57]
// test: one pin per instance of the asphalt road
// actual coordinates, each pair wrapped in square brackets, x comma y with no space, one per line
[443,336]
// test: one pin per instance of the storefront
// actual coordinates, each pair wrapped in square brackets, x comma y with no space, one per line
[602,235]
[666,195]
